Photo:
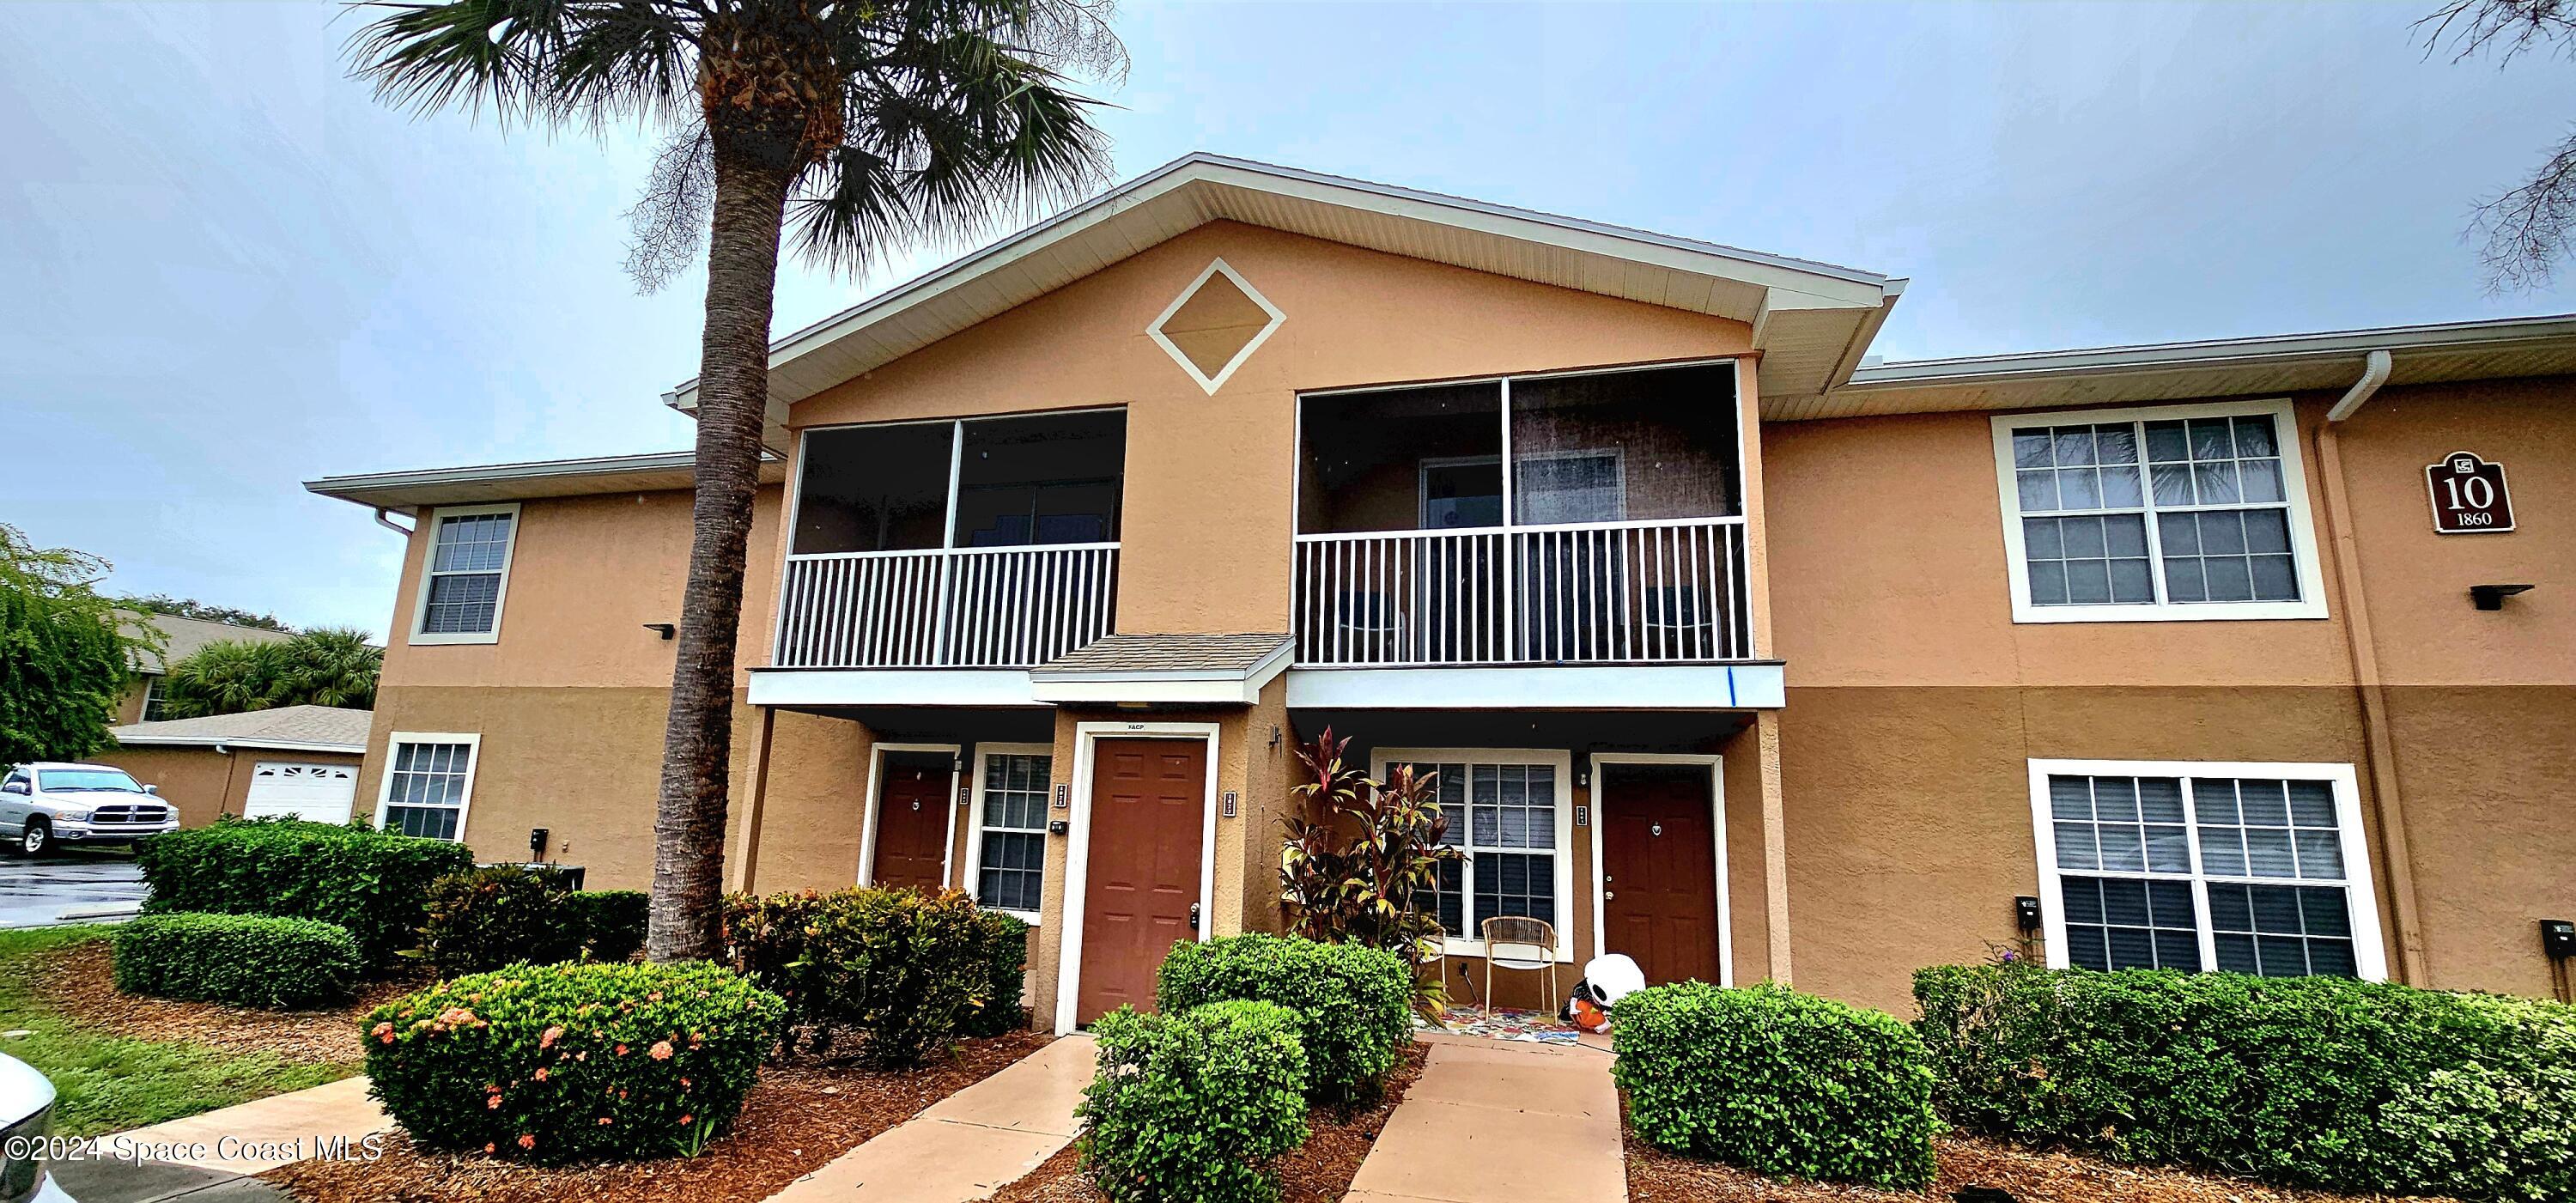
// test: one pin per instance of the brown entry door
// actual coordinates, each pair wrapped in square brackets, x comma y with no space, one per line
[912,820]
[1148,802]
[1659,858]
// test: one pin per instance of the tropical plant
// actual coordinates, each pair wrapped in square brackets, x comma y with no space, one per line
[874,125]
[64,656]
[1361,865]
[327,667]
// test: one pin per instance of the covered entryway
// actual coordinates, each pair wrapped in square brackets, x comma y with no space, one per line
[1660,852]
[297,790]
[908,846]
[1144,871]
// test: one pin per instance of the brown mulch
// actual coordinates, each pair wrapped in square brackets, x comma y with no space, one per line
[1320,1171]
[796,1119]
[79,980]
[1655,1176]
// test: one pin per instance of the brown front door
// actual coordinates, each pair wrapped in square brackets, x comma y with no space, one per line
[912,820]
[1141,885]
[1659,866]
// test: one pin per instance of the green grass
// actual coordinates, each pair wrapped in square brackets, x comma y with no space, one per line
[109,1083]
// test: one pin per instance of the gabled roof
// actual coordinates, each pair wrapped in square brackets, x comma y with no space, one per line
[183,637]
[290,728]
[1811,320]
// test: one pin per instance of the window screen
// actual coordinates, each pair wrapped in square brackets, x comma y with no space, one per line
[1011,865]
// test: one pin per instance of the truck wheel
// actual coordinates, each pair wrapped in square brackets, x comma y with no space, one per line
[38,839]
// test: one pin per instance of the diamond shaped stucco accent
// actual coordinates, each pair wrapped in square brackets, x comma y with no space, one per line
[1215,324]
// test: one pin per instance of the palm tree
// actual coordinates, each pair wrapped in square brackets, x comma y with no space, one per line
[872,121]
[331,666]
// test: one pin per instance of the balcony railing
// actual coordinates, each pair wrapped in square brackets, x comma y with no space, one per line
[967,607]
[1583,593]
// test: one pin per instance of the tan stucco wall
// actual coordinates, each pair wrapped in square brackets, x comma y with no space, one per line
[202,782]
[1210,478]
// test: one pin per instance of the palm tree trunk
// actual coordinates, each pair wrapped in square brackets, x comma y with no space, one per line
[733,399]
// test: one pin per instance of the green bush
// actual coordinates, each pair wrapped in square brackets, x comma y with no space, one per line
[1193,1107]
[904,971]
[498,915]
[253,960]
[2317,1082]
[1778,1082]
[558,1063]
[374,883]
[1354,1004]
[1006,967]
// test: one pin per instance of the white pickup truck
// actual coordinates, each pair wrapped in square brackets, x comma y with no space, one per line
[51,803]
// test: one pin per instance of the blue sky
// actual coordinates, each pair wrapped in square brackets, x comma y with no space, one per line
[224,269]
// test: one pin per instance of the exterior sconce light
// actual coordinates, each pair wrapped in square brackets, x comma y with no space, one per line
[2491,597]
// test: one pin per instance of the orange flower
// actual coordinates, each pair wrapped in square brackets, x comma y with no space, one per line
[621,1050]
[551,1035]
[604,1121]
[687,1118]
[541,1073]
[490,1147]
[661,1051]
[527,1140]
[493,1103]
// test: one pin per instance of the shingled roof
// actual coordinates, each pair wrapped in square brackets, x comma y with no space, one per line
[295,728]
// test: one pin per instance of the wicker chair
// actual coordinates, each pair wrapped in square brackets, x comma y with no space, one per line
[1514,942]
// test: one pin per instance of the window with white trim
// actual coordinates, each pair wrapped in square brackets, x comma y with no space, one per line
[2246,868]
[2179,512]
[466,574]
[1010,855]
[1508,815]
[428,780]
[156,701]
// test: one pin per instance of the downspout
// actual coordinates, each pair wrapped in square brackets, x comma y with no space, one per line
[391,525]
[2379,746]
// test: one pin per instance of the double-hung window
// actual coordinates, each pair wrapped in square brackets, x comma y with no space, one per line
[428,782]
[2249,868]
[2194,511]
[1008,852]
[1509,811]
[466,574]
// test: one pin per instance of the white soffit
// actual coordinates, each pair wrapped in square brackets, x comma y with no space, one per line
[1811,320]
[410,491]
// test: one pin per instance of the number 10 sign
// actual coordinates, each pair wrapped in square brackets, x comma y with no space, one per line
[2469,495]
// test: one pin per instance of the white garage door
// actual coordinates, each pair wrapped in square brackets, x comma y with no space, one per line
[320,792]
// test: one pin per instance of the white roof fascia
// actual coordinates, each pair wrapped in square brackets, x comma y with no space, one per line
[2213,352]
[209,741]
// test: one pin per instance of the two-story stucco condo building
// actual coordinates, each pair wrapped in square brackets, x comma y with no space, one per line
[1734,653]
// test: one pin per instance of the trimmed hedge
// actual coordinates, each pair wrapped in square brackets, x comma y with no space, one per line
[1778,1082]
[374,883]
[497,915]
[1193,1107]
[253,960]
[1355,1003]
[2317,1082]
[906,972]
[556,1063]
[1006,969]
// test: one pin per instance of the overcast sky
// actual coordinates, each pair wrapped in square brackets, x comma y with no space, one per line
[225,270]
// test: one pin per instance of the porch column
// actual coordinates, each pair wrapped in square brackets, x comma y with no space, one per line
[746,857]
[1775,847]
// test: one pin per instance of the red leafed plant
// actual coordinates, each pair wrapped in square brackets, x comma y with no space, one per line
[1361,864]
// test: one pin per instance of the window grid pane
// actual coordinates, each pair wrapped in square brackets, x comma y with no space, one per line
[1011,865]
[425,789]
[2084,512]
[1503,816]
[463,591]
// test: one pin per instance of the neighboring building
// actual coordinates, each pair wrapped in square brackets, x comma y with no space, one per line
[300,761]
[180,639]
[1755,663]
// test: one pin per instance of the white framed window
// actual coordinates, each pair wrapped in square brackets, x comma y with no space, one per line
[1006,858]
[2158,514]
[1511,810]
[2247,867]
[156,703]
[465,574]
[428,783]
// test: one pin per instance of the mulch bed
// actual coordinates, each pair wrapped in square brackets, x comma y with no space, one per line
[797,1118]
[1655,1176]
[1320,1171]
[79,980]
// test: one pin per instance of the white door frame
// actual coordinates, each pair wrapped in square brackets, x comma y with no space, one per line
[1086,737]
[1717,826]
[868,812]
[975,821]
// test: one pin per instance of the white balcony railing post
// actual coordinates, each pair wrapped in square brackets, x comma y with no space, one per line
[971,607]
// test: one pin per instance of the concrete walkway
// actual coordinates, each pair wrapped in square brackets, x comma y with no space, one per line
[968,1145]
[210,1157]
[1492,1121]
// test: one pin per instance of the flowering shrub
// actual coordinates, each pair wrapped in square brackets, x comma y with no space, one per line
[554,1063]
[904,971]
[373,883]
[254,960]
[1193,1108]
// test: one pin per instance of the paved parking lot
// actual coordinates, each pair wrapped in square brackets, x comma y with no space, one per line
[36,893]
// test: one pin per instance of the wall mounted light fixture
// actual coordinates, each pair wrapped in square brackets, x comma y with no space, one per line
[2491,597]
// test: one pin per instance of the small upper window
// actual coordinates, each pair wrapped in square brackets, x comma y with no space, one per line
[2184,512]
[156,703]
[467,574]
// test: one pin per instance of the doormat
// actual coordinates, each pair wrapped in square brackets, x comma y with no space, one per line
[1533,1027]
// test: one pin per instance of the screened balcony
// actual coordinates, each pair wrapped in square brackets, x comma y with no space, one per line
[984,543]
[1616,537]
